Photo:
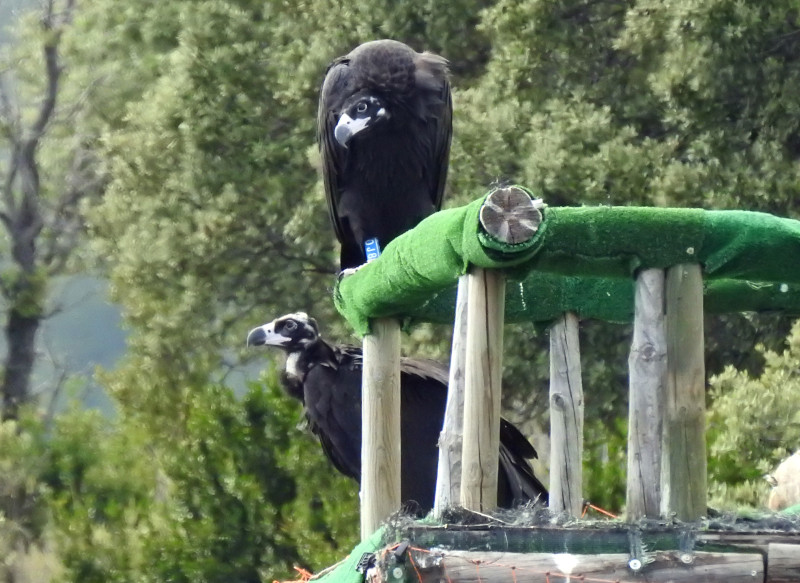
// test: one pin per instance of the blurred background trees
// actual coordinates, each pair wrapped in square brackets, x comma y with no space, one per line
[183,138]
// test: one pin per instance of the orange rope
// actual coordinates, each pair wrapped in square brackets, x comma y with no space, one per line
[587,505]
[601,511]
[413,564]
[446,574]
[305,576]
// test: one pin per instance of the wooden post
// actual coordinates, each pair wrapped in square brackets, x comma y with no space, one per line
[448,478]
[683,462]
[647,366]
[566,417]
[511,216]
[480,455]
[380,422]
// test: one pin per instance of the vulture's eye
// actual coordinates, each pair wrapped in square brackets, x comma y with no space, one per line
[361,107]
[290,325]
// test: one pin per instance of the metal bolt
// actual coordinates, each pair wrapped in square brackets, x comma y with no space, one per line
[397,572]
[687,558]
[635,564]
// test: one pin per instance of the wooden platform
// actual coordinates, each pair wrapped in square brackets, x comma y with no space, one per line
[765,551]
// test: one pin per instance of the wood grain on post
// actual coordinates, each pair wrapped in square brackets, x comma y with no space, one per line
[448,477]
[647,369]
[480,453]
[566,417]
[380,422]
[683,461]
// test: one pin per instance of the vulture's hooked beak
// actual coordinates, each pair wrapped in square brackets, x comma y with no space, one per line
[347,127]
[265,336]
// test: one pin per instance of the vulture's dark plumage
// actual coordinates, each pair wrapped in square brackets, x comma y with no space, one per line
[384,129]
[327,379]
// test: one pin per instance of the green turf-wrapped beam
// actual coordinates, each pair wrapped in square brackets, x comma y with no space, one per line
[582,259]
[345,571]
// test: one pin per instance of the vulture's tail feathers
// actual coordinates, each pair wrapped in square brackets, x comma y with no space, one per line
[517,483]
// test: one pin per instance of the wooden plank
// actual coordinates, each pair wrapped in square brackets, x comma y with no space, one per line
[448,477]
[783,563]
[666,567]
[647,369]
[380,422]
[566,417]
[683,462]
[590,537]
[480,454]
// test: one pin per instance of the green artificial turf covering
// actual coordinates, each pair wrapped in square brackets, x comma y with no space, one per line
[582,259]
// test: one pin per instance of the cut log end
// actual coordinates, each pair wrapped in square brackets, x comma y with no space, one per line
[510,215]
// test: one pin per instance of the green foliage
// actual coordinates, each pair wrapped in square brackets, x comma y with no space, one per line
[235,503]
[98,486]
[240,497]
[88,486]
[605,463]
[679,104]
[25,291]
[753,424]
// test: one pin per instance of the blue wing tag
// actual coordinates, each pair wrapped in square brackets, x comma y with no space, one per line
[372,249]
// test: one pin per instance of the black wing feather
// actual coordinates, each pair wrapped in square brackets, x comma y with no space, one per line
[517,484]
[336,82]
[443,137]
[335,416]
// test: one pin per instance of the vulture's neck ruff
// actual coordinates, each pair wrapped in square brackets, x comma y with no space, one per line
[300,360]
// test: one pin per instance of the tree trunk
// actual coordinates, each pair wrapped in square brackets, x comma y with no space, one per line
[21,340]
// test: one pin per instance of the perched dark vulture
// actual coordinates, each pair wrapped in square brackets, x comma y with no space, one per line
[384,129]
[327,379]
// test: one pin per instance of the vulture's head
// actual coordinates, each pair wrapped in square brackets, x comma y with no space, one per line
[378,84]
[363,112]
[291,332]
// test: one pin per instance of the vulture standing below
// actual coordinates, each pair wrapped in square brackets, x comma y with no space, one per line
[384,129]
[327,379]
